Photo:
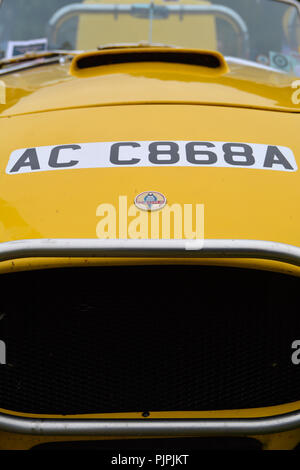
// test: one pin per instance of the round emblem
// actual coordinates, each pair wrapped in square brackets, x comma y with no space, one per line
[150,201]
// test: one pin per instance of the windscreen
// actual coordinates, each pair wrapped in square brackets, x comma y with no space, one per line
[263,31]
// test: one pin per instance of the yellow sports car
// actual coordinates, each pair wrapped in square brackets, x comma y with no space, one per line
[149,224]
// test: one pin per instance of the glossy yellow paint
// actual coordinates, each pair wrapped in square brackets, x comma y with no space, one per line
[135,102]
[239,203]
[54,88]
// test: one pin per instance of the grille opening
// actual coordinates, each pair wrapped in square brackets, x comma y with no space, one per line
[148,338]
[181,445]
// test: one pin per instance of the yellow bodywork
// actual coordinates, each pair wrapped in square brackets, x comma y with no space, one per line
[139,102]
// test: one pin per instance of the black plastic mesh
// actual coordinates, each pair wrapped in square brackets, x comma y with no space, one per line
[156,338]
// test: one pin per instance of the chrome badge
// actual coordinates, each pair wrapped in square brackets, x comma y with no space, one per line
[150,201]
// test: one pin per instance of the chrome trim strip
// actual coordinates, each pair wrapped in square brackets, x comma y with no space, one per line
[150,427]
[96,248]
[251,63]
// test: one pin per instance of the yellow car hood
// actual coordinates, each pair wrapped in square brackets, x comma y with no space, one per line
[149,102]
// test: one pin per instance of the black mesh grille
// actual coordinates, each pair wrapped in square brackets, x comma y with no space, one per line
[156,338]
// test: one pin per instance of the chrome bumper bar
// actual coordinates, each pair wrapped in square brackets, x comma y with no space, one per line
[88,248]
[96,248]
[150,427]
